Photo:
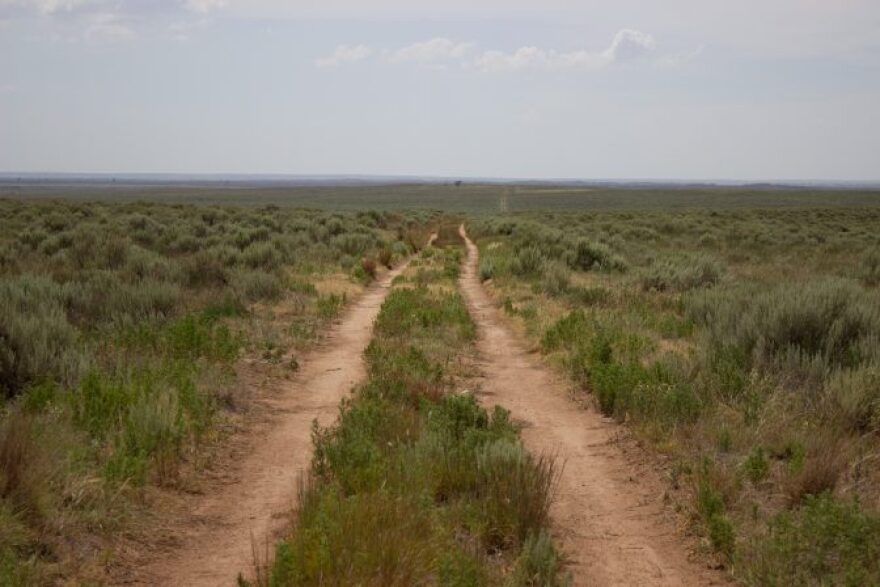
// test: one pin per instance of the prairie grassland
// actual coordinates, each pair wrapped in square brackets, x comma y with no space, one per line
[743,344]
[121,329]
[416,483]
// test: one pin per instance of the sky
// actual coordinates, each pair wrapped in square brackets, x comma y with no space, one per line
[589,89]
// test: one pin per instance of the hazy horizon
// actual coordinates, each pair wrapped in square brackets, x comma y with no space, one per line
[592,90]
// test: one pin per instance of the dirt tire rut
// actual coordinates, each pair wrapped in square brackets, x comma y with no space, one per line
[608,514]
[227,524]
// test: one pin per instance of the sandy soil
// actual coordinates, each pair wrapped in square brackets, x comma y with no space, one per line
[227,524]
[609,514]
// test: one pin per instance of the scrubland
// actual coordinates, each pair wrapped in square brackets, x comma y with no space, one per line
[740,345]
[123,328]
[743,345]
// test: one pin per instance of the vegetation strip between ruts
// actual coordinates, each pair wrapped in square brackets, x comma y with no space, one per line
[416,483]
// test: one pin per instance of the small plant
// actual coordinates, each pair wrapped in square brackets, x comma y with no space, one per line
[386,256]
[486,269]
[368,265]
[756,466]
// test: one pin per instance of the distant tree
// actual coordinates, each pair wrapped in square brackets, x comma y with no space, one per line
[458,183]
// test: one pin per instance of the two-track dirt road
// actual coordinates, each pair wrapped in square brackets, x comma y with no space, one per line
[612,526]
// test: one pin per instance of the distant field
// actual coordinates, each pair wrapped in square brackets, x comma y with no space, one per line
[467,198]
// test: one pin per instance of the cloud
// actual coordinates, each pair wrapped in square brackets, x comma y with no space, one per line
[534,57]
[106,26]
[436,49]
[627,45]
[204,6]
[345,54]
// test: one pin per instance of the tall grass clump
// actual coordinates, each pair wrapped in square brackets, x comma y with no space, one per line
[682,274]
[800,332]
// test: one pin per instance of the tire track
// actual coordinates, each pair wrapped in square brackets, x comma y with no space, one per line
[608,515]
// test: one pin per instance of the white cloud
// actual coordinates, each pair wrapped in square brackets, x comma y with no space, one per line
[530,57]
[436,49]
[627,45]
[345,54]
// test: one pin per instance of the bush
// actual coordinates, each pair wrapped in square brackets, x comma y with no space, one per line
[556,279]
[257,285]
[589,255]
[528,262]
[368,266]
[711,507]
[853,396]
[486,269]
[682,274]
[261,255]
[539,565]
[515,492]
[800,331]
[826,541]
[36,339]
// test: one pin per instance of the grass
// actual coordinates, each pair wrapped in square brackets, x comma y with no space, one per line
[121,327]
[742,343]
[416,483]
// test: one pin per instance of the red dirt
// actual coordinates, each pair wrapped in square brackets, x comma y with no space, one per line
[608,515]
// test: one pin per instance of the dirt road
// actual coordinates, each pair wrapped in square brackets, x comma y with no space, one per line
[608,514]
[254,508]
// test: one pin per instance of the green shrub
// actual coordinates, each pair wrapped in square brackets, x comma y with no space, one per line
[515,491]
[486,269]
[854,397]
[36,339]
[711,507]
[556,279]
[527,262]
[257,285]
[590,255]
[825,541]
[261,255]
[539,565]
[756,466]
[329,306]
[682,274]
[801,331]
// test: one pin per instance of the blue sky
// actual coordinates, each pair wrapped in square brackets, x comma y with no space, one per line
[678,89]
